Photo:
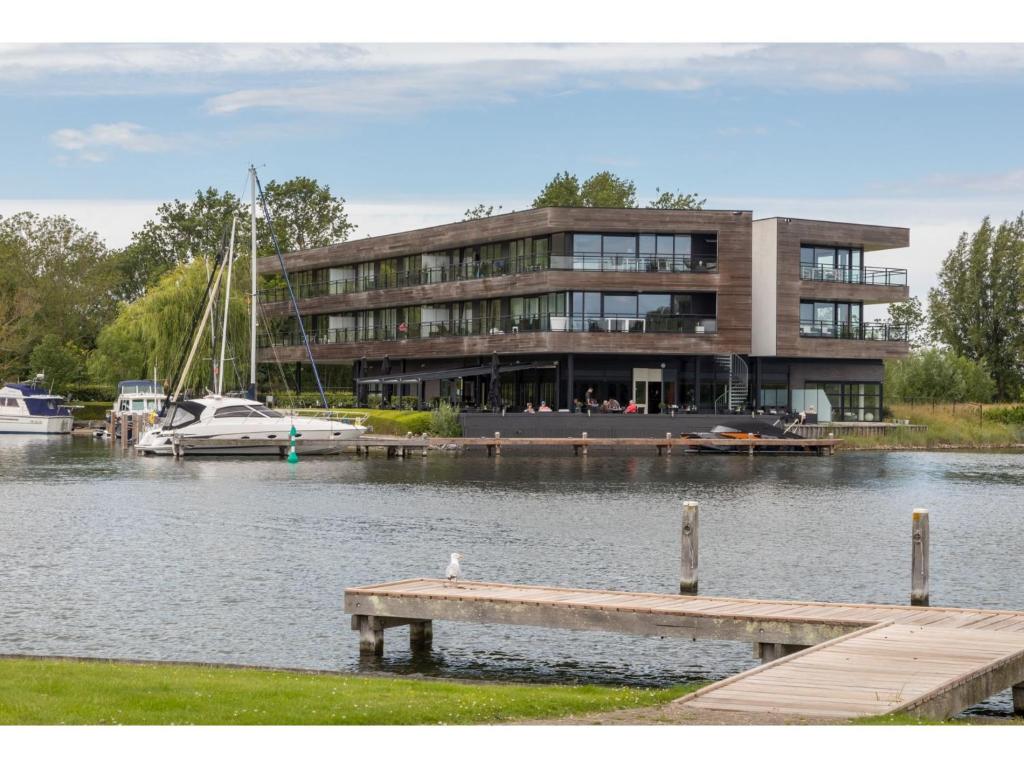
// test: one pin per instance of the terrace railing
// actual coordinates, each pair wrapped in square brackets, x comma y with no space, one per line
[855,331]
[680,324]
[855,275]
[586,262]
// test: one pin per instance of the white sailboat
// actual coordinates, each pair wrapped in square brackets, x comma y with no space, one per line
[237,418]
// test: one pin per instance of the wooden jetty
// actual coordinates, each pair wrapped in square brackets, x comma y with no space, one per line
[403,447]
[822,659]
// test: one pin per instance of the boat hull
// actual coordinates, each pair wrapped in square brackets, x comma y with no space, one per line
[36,425]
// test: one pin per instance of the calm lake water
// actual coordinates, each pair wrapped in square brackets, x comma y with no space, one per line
[245,560]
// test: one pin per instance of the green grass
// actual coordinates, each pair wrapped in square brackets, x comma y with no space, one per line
[45,691]
[948,426]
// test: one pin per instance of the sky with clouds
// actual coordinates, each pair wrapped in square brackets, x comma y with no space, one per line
[925,136]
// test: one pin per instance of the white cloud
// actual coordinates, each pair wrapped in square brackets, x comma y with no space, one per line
[386,77]
[89,144]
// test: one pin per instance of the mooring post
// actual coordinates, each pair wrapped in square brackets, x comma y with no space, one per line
[497,443]
[124,431]
[688,550]
[668,439]
[584,444]
[371,636]
[1018,699]
[421,635]
[113,427]
[919,559]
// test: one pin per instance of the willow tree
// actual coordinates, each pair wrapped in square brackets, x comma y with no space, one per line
[156,330]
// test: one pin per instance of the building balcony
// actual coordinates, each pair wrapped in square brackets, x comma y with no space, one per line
[855,331]
[578,262]
[513,326]
[854,275]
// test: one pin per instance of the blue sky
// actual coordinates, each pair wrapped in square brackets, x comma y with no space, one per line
[925,136]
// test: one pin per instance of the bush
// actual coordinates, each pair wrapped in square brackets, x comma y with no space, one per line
[444,421]
[91,393]
[408,402]
[399,422]
[374,400]
[938,375]
[1013,414]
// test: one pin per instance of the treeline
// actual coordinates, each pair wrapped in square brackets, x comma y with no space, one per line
[83,313]
[968,346]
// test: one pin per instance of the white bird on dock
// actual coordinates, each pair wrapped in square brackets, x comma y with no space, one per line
[454,571]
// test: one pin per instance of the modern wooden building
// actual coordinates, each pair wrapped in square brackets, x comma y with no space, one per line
[697,310]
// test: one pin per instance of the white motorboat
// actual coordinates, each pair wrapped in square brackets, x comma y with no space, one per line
[236,418]
[139,396]
[28,409]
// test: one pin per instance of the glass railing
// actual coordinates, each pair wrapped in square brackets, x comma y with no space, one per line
[856,331]
[586,262]
[682,324]
[857,275]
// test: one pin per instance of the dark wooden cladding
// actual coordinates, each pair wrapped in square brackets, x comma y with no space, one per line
[508,285]
[509,226]
[791,234]
[867,294]
[540,343]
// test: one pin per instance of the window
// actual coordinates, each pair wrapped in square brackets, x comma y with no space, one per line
[841,401]
[829,318]
[828,262]
[183,414]
[233,412]
[620,306]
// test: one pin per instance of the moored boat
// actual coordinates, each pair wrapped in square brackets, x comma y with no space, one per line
[28,409]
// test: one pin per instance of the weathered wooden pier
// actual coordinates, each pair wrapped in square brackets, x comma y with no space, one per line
[835,660]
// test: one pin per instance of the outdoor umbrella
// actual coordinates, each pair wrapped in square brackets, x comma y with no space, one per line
[494,396]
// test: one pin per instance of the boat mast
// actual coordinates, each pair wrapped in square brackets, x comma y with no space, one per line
[227,303]
[199,334]
[254,297]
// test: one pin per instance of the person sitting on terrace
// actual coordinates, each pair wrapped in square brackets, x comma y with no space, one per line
[543,408]
[529,408]
[577,405]
[631,408]
[614,406]
[604,407]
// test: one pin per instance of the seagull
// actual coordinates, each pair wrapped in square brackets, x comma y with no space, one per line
[454,571]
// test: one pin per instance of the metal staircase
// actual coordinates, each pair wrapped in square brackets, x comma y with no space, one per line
[735,397]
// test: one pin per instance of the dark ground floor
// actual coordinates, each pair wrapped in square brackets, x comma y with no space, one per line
[833,390]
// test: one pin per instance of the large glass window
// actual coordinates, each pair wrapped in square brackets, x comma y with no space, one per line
[829,318]
[829,262]
[841,401]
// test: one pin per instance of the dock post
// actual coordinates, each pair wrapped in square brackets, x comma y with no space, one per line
[497,444]
[668,438]
[919,559]
[688,550]
[124,431]
[1018,699]
[371,636]
[113,427]
[421,635]
[584,444]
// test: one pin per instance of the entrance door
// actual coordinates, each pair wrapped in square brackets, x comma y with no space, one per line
[647,389]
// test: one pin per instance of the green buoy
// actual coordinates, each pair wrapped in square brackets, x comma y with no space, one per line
[293,457]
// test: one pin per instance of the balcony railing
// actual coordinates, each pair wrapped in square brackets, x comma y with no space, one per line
[586,262]
[856,331]
[856,275]
[681,324]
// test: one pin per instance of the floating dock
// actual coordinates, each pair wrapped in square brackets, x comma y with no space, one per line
[836,660]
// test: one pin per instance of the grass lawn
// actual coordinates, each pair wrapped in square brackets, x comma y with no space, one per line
[43,691]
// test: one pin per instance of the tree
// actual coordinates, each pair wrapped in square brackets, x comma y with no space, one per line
[976,307]
[606,190]
[306,215]
[677,201]
[481,211]
[910,315]
[563,191]
[55,278]
[63,363]
[937,374]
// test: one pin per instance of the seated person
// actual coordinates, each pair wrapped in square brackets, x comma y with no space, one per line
[529,408]
[543,408]
[631,408]
[604,407]
[613,405]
